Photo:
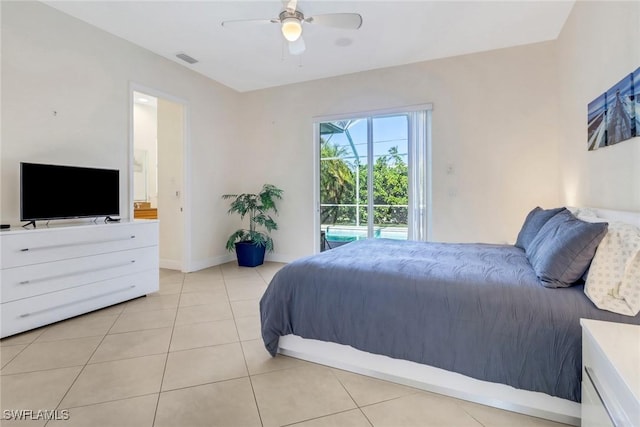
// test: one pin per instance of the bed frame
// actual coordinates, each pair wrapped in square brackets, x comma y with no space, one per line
[438,380]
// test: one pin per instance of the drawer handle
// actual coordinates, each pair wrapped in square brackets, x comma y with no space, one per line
[612,409]
[93,242]
[75,273]
[76,302]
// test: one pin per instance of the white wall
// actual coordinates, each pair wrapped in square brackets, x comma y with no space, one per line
[598,46]
[52,62]
[495,119]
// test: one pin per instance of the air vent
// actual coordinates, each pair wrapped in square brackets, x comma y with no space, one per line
[187,58]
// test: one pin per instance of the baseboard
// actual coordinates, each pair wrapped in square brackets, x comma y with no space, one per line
[170,264]
[280,258]
[222,259]
[209,262]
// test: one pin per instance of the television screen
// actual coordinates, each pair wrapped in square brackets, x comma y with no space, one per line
[55,192]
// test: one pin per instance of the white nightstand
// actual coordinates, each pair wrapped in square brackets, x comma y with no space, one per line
[610,374]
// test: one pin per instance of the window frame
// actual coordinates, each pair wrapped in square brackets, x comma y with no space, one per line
[417,152]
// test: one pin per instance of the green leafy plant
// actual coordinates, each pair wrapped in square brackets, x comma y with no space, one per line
[257,207]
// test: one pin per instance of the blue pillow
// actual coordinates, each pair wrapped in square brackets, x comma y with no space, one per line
[532,225]
[564,248]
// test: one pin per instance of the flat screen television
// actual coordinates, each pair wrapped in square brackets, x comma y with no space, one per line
[58,192]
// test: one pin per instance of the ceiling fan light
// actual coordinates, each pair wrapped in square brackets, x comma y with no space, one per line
[291,29]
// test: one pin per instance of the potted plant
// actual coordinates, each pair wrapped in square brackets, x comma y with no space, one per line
[250,245]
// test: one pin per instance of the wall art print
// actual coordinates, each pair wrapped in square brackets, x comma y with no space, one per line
[614,116]
[636,95]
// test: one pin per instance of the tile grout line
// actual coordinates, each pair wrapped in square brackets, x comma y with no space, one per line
[344,387]
[253,391]
[365,416]
[244,356]
[264,279]
[350,396]
[474,418]
[86,363]
[102,362]
[391,399]
[112,400]
[207,305]
[205,383]
[166,359]
[137,330]
[44,329]
[314,366]
[42,370]
[137,313]
[203,346]
[320,417]
[14,356]
[354,400]
[26,345]
[204,321]
[96,362]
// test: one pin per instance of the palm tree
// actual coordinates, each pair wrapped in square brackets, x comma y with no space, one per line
[336,180]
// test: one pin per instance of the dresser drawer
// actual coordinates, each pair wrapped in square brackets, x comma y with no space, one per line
[46,245]
[37,279]
[22,315]
[607,398]
[593,412]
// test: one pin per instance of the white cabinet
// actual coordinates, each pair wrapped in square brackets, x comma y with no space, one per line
[51,274]
[610,374]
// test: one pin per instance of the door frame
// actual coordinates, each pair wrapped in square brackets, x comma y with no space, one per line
[185,262]
[358,115]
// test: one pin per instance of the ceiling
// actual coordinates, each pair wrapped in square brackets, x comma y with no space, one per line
[251,57]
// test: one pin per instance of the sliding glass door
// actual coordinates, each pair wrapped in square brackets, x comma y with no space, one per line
[388,174]
[371,170]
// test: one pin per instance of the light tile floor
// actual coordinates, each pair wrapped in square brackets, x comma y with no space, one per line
[191,355]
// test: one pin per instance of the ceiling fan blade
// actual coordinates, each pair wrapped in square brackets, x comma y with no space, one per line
[297,47]
[347,21]
[239,22]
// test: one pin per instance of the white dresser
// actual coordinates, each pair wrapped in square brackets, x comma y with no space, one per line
[610,374]
[53,273]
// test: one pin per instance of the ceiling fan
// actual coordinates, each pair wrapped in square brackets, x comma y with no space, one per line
[291,20]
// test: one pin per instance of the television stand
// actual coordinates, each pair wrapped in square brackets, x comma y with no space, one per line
[51,274]
[30,223]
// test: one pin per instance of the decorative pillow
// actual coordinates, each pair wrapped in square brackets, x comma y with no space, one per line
[614,279]
[533,223]
[563,249]
[587,215]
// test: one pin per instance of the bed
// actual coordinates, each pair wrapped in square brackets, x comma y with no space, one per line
[467,320]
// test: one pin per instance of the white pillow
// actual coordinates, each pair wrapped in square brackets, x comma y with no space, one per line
[585,212]
[614,276]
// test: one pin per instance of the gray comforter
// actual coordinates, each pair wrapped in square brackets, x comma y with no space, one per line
[475,309]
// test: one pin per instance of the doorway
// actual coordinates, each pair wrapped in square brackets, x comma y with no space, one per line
[158,184]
